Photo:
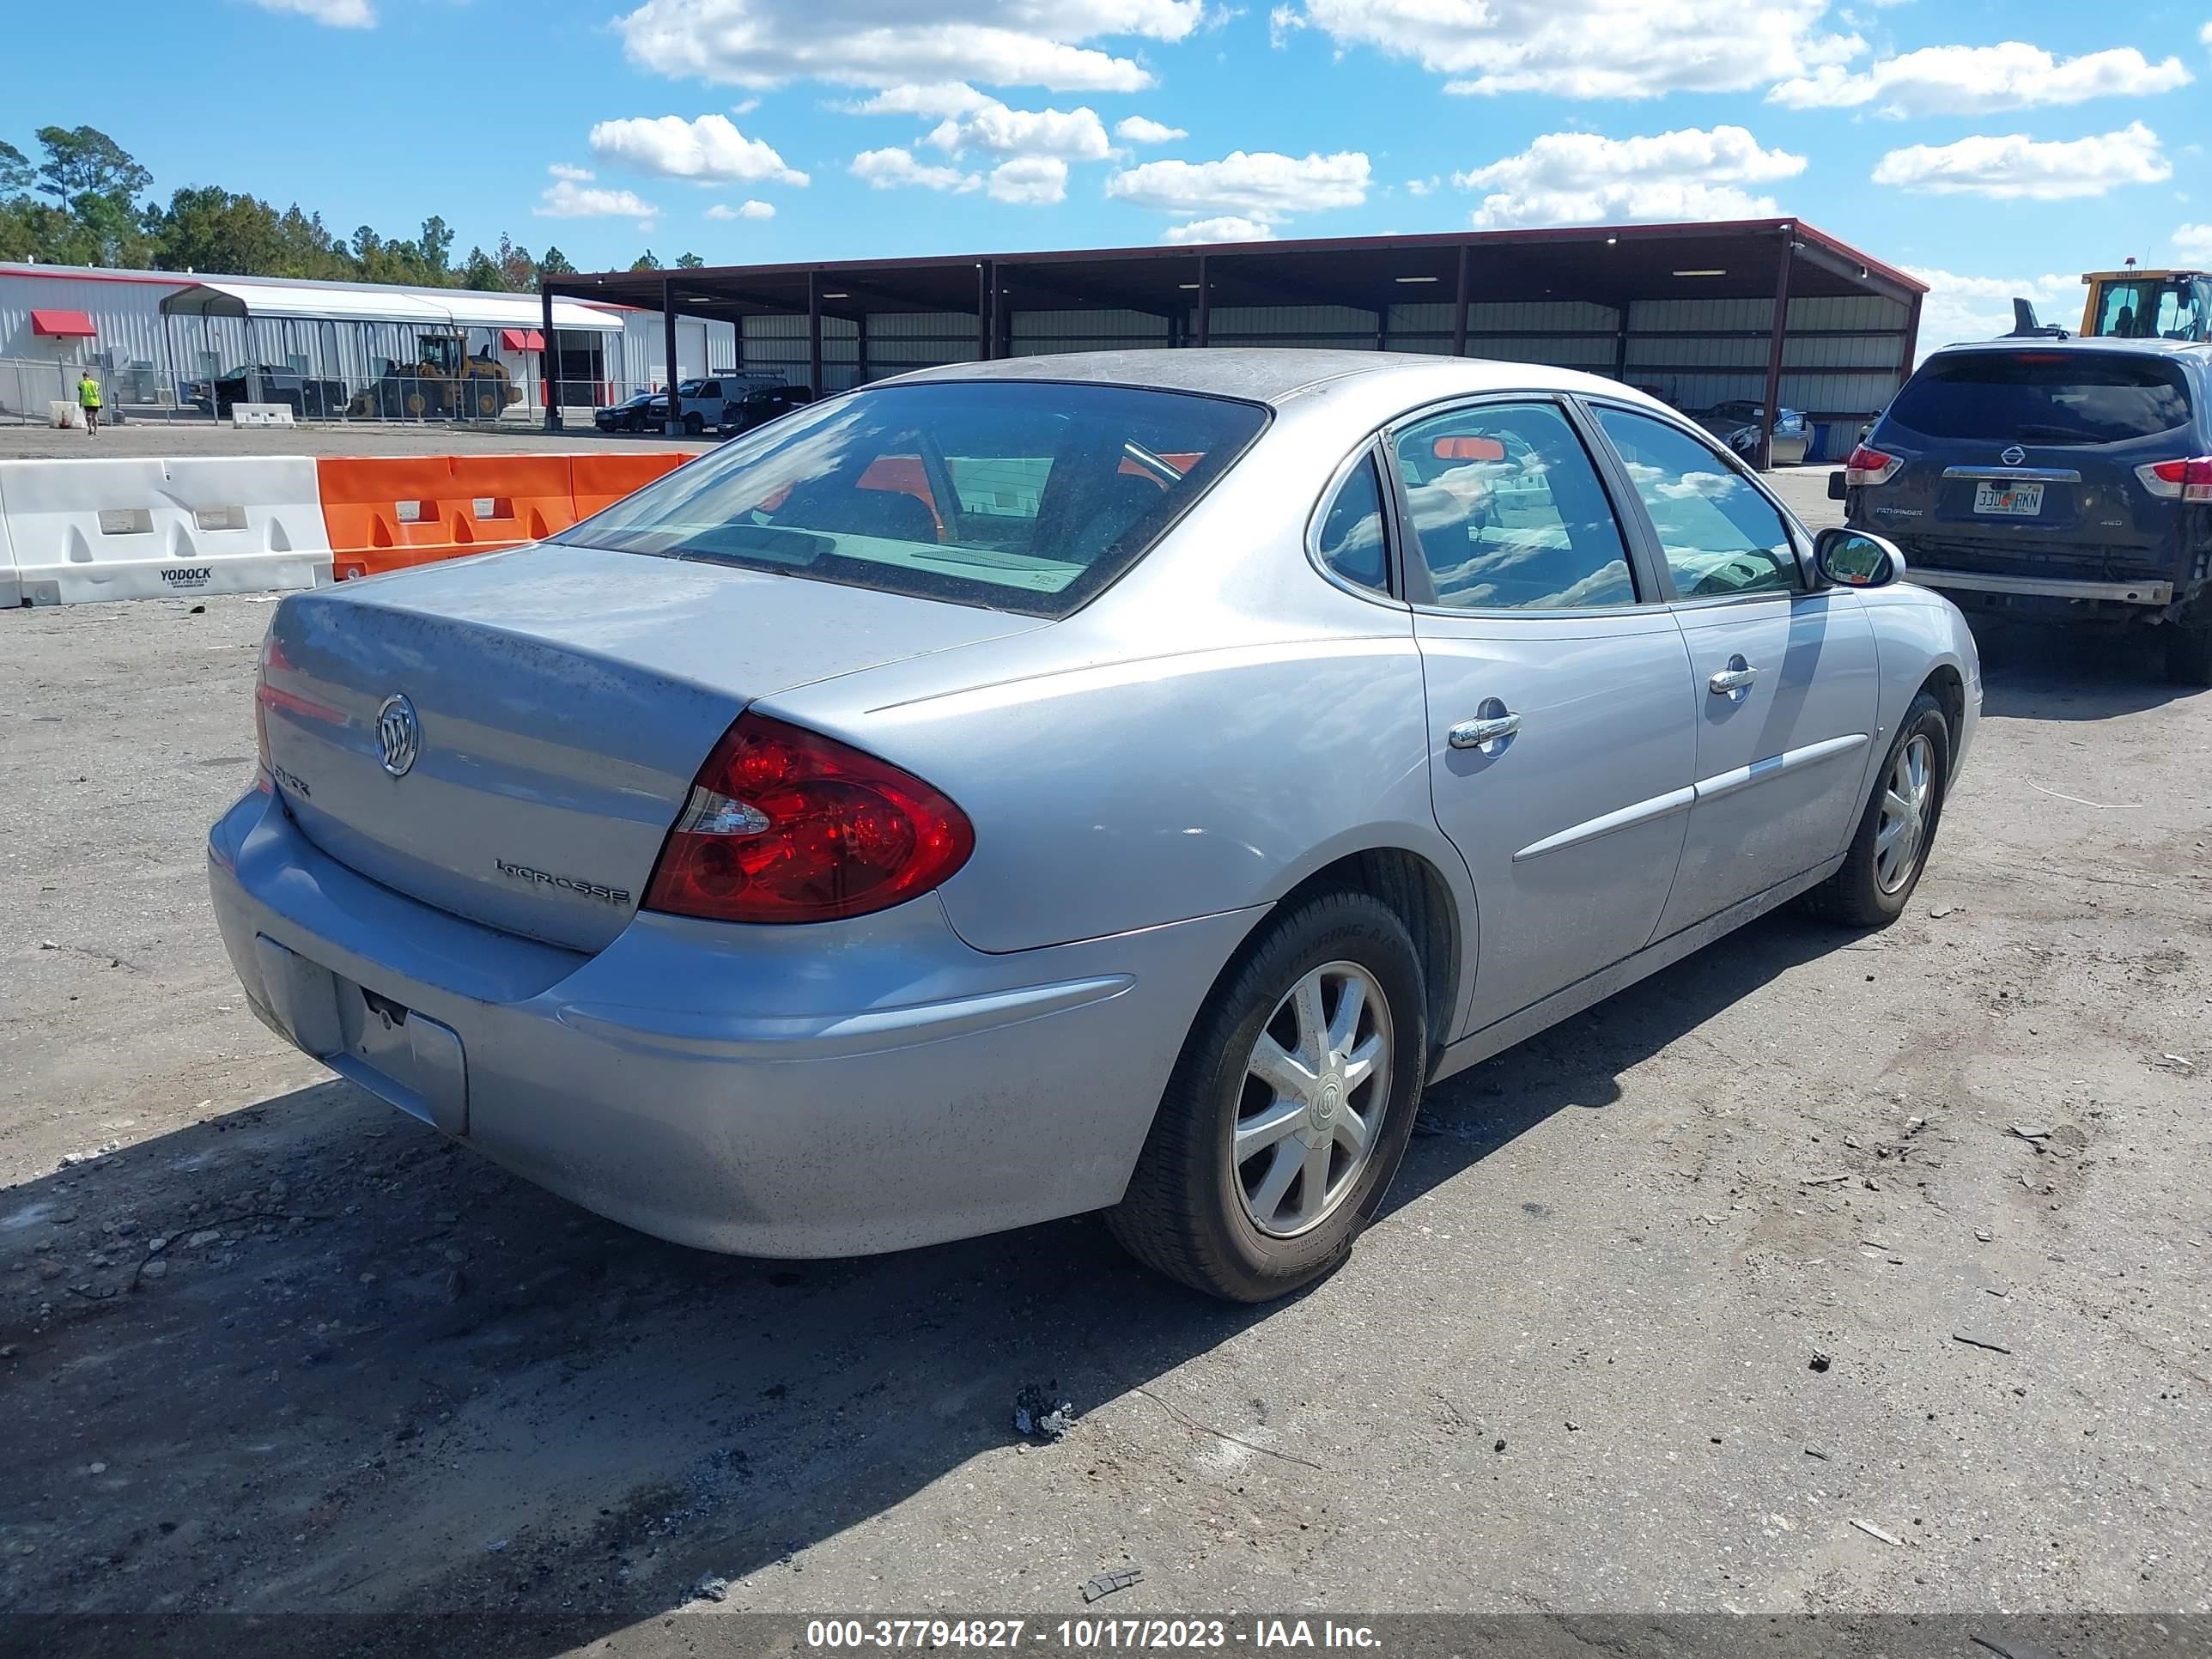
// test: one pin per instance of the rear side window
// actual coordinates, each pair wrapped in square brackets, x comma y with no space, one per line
[1019,496]
[1507,513]
[1351,541]
[2076,397]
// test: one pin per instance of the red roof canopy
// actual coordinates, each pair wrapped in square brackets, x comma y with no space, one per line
[63,325]
[521,339]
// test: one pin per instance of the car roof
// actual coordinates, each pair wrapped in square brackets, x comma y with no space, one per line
[2191,350]
[1267,374]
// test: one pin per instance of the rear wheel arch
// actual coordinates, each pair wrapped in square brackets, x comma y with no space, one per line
[1414,889]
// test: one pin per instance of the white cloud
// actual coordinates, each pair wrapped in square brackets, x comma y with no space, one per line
[2015,166]
[1227,228]
[1586,48]
[580,175]
[893,168]
[936,98]
[744,210]
[1422,186]
[1077,134]
[1580,178]
[1980,308]
[1142,130]
[1262,186]
[709,150]
[1974,80]
[338,14]
[886,43]
[2204,34]
[744,107]
[565,198]
[2194,242]
[1030,181]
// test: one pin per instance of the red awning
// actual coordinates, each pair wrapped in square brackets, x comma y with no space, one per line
[521,339]
[63,325]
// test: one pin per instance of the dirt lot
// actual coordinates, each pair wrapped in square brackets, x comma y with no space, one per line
[203,437]
[1572,1369]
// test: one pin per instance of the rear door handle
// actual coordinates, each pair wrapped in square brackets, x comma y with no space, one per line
[1472,734]
[1733,680]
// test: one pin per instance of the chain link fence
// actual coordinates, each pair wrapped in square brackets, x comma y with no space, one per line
[476,389]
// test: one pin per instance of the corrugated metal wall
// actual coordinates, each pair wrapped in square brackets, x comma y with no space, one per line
[1840,358]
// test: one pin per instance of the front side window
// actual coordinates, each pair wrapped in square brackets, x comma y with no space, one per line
[1019,496]
[1507,511]
[1718,534]
[1349,540]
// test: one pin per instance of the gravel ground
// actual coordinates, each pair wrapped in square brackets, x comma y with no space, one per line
[182,437]
[1578,1366]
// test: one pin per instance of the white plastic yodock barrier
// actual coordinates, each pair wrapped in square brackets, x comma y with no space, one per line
[11,587]
[261,414]
[87,531]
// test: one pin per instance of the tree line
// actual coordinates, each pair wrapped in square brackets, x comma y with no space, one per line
[86,203]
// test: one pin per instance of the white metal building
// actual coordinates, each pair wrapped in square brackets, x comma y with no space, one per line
[147,334]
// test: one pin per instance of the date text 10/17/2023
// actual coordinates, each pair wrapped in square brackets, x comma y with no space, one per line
[1091,1635]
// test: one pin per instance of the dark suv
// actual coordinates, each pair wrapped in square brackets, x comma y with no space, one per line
[2065,480]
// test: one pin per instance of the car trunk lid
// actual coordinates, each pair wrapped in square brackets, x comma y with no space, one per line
[559,701]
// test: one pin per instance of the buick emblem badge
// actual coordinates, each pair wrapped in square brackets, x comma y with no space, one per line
[2013,456]
[398,735]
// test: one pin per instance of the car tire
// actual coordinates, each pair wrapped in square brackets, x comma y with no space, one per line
[1873,888]
[694,424]
[1191,1209]
[2189,655]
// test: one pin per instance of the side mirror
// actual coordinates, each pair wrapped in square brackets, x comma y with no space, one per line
[1856,558]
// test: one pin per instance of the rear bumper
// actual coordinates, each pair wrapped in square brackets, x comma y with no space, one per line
[2155,595]
[828,1090]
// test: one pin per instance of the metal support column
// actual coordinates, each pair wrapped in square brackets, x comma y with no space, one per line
[1774,339]
[1205,305]
[1459,303]
[983,285]
[814,332]
[1002,315]
[548,359]
[672,423]
[1912,339]
[1620,342]
[860,349]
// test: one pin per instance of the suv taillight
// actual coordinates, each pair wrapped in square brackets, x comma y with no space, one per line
[2191,480]
[1870,466]
[787,825]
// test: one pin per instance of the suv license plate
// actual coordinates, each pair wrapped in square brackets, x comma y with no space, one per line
[2016,500]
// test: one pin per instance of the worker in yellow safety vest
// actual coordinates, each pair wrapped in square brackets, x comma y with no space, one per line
[87,399]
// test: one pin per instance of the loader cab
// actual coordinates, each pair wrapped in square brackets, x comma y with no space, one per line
[2149,305]
[441,352]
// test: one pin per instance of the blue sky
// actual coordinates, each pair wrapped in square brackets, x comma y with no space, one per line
[1997,149]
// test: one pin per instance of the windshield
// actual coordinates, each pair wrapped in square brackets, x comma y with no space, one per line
[2152,308]
[2076,397]
[1021,496]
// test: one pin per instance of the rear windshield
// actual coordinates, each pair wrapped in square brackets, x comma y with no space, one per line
[1027,497]
[2043,397]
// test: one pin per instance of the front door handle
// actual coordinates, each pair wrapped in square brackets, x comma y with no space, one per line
[1473,734]
[1733,680]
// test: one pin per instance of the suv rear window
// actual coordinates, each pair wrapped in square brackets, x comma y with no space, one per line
[2044,397]
[1026,496]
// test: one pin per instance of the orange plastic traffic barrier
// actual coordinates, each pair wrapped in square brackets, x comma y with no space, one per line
[513,498]
[394,511]
[600,481]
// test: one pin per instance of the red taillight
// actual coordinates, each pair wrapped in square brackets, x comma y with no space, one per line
[2189,480]
[1870,466]
[787,825]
